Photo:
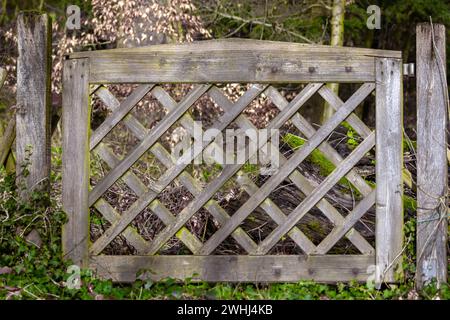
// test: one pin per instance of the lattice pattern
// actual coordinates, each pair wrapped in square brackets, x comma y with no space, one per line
[258,196]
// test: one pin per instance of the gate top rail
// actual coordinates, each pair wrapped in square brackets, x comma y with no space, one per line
[233,60]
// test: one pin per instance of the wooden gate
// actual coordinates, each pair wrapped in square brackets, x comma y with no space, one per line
[263,65]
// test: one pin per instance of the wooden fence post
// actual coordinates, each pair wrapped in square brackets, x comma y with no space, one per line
[75,173]
[432,103]
[389,158]
[33,103]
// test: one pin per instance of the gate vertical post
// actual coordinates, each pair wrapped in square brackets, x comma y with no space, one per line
[33,103]
[432,104]
[389,163]
[75,157]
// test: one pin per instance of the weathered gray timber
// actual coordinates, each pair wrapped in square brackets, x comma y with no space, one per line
[33,118]
[75,172]
[389,164]
[432,111]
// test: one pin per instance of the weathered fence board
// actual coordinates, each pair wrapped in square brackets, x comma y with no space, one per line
[75,157]
[432,112]
[389,164]
[234,61]
[33,117]
[270,268]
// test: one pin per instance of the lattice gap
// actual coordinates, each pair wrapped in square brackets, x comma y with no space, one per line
[154,104]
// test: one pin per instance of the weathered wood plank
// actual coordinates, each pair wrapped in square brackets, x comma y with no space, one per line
[431,155]
[234,61]
[273,268]
[239,45]
[389,163]
[288,168]
[33,118]
[75,158]
[3,75]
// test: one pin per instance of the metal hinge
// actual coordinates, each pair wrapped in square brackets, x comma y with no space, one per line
[408,69]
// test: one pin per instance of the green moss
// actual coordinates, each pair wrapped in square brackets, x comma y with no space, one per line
[316,157]
[316,226]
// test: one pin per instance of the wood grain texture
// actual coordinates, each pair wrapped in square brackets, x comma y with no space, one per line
[389,164]
[273,268]
[234,61]
[75,158]
[33,118]
[431,156]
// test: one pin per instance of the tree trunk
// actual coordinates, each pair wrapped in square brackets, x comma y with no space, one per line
[337,39]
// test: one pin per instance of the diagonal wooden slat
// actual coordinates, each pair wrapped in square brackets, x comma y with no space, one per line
[308,130]
[335,102]
[287,169]
[340,230]
[169,175]
[190,240]
[300,181]
[118,114]
[277,215]
[129,120]
[227,172]
[135,184]
[130,233]
[146,143]
[320,191]
[212,206]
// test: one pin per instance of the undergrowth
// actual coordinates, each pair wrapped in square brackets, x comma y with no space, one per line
[29,271]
